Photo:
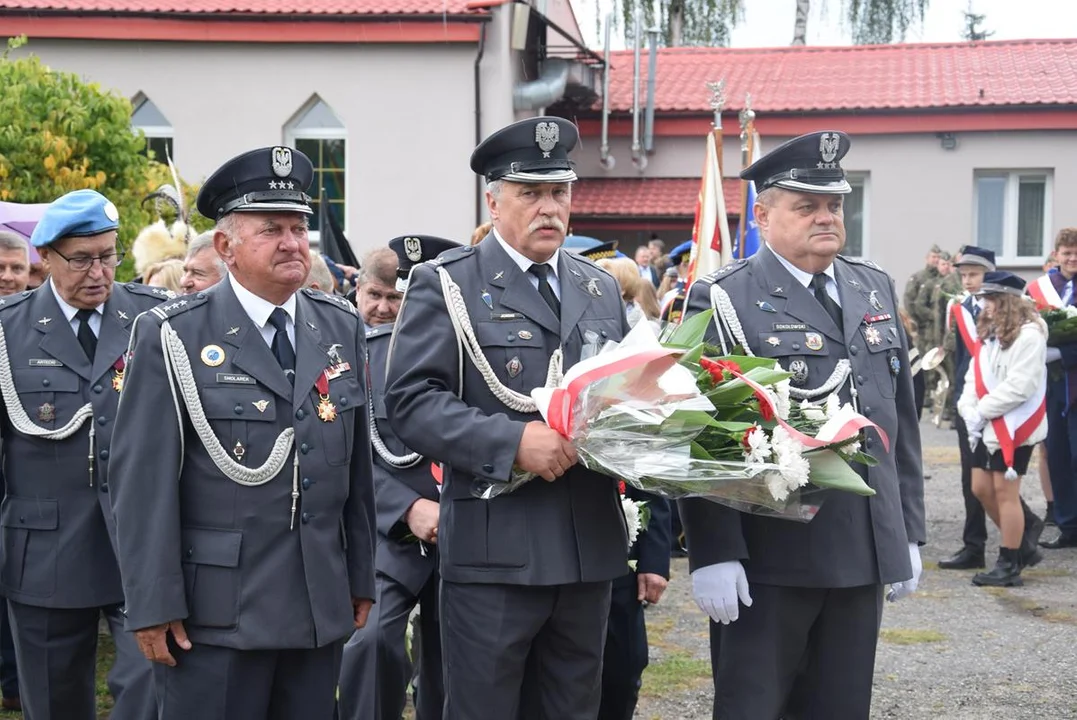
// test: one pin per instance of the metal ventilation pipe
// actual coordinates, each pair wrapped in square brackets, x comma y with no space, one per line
[604,158]
[652,69]
[638,158]
[544,91]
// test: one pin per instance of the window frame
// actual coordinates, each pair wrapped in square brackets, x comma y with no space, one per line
[167,132]
[863,180]
[1009,257]
[293,133]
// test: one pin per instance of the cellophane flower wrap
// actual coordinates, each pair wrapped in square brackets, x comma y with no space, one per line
[670,419]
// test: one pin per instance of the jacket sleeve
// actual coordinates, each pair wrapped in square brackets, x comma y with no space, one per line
[359,507]
[394,498]
[966,404]
[1027,357]
[144,476]
[422,379]
[908,458]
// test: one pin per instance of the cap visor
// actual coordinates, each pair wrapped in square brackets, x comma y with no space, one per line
[550,176]
[274,207]
[838,188]
[974,260]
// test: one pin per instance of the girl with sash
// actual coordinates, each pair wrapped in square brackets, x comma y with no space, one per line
[1003,407]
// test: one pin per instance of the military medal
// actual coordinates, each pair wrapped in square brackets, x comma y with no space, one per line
[514,366]
[117,376]
[212,355]
[525,335]
[765,306]
[47,412]
[872,335]
[327,411]
[814,341]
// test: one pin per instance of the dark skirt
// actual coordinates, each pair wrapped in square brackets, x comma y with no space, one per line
[995,463]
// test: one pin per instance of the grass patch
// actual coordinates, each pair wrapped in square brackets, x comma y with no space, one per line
[942,455]
[676,672]
[1032,607]
[896,636]
[1045,572]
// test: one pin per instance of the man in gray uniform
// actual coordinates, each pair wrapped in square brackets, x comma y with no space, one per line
[375,671]
[525,575]
[804,643]
[62,352]
[245,518]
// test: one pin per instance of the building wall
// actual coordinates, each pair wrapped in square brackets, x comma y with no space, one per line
[408,111]
[917,193]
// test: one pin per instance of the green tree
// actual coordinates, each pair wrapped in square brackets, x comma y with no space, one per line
[59,133]
[973,32]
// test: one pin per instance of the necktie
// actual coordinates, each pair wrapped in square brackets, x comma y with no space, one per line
[818,282]
[87,339]
[282,346]
[542,273]
[975,311]
[1067,293]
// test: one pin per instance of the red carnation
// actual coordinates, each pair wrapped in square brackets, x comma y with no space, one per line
[766,410]
[621,486]
[718,368]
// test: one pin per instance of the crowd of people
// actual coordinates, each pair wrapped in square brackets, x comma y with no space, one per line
[257,465]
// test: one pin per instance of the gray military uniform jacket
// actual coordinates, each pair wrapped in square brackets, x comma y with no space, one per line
[571,530]
[193,544]
[399,554]
[854,540]
[57,550]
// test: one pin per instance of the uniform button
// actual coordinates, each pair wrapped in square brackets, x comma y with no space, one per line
[796,346]
[306,518]
[343,400]
[238,409]
[304,448]
[867,411]
[307,483]
[103,454]
[190,552]
[852,349]
[104,488]
[46,382]
[97,388]
[603,333]
[102,420]
[867,443]
[860,379]
[201,296]
[510,337]
[300,414]
[488,468]
[22,518]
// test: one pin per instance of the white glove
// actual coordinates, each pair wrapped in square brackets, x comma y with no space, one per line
[717,589]
[905,588]
[1053,354]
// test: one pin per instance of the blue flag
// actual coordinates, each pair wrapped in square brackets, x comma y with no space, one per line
[750,244]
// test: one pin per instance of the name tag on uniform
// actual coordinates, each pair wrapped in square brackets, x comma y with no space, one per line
[794,327]
[45,362]
[233,379]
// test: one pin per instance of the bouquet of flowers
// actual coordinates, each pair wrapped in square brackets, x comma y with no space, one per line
[671,419]
[1061,325]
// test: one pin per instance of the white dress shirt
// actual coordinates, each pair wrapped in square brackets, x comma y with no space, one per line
[69,313]
[259,309]
[525,264]
[804,278]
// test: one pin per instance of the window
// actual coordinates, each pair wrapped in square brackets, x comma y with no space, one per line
[320,135]
[1011,211]
[856,218]
[155,126]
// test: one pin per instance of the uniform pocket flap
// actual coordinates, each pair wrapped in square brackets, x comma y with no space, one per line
[782,343]
[509,334]
[46,379]
[346,393]
[879,337]
[30,513]
[206,546]
[230,402]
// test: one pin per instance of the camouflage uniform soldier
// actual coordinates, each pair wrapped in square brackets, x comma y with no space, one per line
[912,290]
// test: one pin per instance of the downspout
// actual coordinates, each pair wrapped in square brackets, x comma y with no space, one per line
[604,158]
[480,187]
[638,159]
[652,68]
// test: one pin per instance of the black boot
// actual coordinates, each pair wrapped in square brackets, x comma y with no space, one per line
[967,558]
[1030,553]
[1006,573]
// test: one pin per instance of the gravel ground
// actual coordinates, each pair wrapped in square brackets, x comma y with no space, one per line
[951,651]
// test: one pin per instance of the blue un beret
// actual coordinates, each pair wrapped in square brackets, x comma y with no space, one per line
[80,213]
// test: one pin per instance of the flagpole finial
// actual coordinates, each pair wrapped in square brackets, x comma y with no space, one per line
[717,101]
[747,115]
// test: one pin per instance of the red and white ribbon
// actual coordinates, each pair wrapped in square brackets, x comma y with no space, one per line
[1043,293]
[967,327]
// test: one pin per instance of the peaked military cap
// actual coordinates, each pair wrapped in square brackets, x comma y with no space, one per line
[602,251]
[809,163]
[412,250]
[1002,282]
[80,213]
[534,150]
[272,179]
[978,256]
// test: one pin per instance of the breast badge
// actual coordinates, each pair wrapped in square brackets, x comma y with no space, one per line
[813,341]
[872,335]
[47,412]
[212,355]
[327,411]
[514,367]
[799,368]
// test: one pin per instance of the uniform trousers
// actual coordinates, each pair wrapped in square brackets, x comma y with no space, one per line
[625,656]
[1062,456]
[523,651]
[375,669]
[799,654]
[57,653]
[218,683]
[9,673]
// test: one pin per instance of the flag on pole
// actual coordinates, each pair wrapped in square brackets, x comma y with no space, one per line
[711,246]
[748,233]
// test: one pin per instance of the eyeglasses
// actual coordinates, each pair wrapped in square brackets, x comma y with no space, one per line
[82,263]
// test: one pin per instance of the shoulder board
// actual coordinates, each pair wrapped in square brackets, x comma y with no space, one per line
[861,261]
[581,259]
[156,292]
[452,255]
[178,305]
[725,270]
[336,300]
[380,331]
[9,301]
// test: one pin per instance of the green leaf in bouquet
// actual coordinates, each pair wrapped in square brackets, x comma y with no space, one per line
[690,332]
[690,418]
[864,459]
[734,427]
[691,357]
[699,453]
[829,470]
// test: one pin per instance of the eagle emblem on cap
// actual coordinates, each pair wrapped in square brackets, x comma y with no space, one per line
[413,248]
[828,146]
[282,161]
[546,136]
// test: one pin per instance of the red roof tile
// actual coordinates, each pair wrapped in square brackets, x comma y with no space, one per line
[874,77]
[244,7]
[645,197]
